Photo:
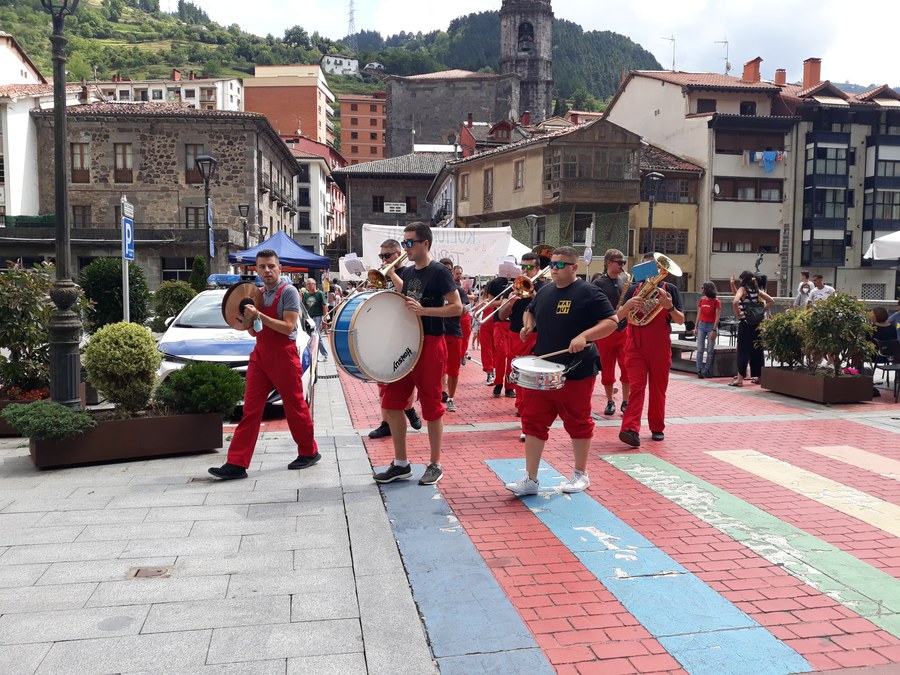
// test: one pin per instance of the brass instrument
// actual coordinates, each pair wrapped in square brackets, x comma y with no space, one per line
[378,278]
[522,287]
[650,291]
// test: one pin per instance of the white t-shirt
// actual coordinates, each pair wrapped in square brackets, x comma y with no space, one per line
[817,294]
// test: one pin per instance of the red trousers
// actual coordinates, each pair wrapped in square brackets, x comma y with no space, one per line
[486,339]
[455,350]
[466,321]
[501,354]
[612,352]
[572,403]
[426,377]
[648,357]
[516,347]
[273,366]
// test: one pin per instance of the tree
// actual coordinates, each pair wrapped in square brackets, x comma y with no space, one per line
[296,37]
[198,274]
[102,284]
[114,9]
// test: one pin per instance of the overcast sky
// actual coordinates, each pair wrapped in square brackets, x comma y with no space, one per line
[855,39]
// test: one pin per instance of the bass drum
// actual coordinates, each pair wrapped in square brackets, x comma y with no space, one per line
[374,337]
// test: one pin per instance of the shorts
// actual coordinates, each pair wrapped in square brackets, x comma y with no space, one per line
[426,377]
[455,350]
[572,404]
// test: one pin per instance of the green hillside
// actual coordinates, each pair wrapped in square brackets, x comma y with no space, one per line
[135,39]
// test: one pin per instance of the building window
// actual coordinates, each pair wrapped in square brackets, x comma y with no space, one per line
[464,187]
[157,95]
[488,189]
[377,204]
[373,108]
[748,107]
[190,93]
[193,216]
[81,216]
[354,135]
[749,189]
[825,203]
[582,222]
[887,168]
[176,269]
[882,205]
[354,121]
[373,136]
[824,251]
[124,95]
[706,105]
[519,174]
[303,197]
[373,122]
[80,161]
[373,151]
[670,242]
[826,161]
[122,173]
[192,172]
[354,149]
[539,230]
[412,204]
[303,221]
[726,240]
[353,107]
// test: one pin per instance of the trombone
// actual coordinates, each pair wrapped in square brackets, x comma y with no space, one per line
[522,287]
[377,279]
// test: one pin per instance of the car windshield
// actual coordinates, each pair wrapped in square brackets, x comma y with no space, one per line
[203,312]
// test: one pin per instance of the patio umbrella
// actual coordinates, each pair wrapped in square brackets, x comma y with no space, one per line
[885,248]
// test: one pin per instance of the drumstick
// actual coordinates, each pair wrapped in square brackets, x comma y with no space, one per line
[544,356]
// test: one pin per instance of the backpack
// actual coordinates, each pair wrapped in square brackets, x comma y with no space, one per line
[754,312]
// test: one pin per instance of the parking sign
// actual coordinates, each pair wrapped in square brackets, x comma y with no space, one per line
[127,230]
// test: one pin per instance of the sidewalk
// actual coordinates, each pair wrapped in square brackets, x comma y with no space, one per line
[284,572]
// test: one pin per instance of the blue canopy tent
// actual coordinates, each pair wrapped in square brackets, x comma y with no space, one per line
[290,253]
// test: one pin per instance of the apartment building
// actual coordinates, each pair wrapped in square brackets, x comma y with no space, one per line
[363,124]
[202,93]
[295,99]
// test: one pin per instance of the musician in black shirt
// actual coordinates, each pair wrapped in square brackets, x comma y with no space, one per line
[613,283]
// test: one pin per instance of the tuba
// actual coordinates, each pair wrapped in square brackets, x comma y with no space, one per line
[650,291]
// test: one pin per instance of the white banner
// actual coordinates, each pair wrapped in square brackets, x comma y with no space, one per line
[479,251]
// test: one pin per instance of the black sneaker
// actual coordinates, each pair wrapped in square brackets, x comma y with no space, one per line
[630,438]
[510,393]
[394,472]
[228,471]
[414,420]
[658,436]
[498,389]
[444,396]
[380,432]
[304,461]
[624,405]
[610,408]
[433,473]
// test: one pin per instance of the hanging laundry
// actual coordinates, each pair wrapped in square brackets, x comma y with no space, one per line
[768,160]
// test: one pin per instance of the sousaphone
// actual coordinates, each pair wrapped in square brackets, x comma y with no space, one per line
[237,297]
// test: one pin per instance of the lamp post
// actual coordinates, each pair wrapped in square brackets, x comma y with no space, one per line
[244,210]
[531,221]
[65,324]
[206,165]
[652,180]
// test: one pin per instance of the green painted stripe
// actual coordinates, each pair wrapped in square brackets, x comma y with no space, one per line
[864,589]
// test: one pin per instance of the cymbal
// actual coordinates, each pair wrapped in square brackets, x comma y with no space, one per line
[235,300]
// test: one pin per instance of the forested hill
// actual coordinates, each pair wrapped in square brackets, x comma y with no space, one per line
[135,39]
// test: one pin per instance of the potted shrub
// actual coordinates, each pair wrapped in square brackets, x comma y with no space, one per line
[816,347]
[121,362]
[46,420]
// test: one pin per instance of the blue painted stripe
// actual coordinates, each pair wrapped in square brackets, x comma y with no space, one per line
[467,615]
[697,626]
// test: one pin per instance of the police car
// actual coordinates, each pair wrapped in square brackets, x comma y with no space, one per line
[199,333]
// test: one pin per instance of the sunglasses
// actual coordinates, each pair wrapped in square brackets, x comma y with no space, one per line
[385,256]
[527,267]
[408,243]
[621,262]
[559,264]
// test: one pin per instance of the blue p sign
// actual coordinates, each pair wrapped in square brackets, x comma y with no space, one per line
[127,238]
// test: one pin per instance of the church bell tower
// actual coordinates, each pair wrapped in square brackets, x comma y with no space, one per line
[526,39]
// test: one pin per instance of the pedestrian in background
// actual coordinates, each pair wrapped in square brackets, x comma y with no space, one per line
[709,311]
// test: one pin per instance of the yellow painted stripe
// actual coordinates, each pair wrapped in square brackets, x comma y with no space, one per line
[865,507]
[861,459]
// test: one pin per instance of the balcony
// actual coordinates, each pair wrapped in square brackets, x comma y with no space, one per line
[265,183]
[123,176]
[592,191]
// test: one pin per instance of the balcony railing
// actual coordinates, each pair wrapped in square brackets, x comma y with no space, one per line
[124,176]
[265,183]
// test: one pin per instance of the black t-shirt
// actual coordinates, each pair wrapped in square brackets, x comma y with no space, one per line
[495,288]
[612,288]
[562,313]
[452,324]
[428,285]
[672,290]
[517,318]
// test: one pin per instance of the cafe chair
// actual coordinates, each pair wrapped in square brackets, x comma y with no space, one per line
[887,359]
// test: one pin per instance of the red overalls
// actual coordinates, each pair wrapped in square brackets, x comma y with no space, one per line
[274,363]
[648,356]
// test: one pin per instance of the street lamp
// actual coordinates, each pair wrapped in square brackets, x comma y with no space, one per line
[531,221]
[652,181]
[65,324]
[206,165]
[244,210]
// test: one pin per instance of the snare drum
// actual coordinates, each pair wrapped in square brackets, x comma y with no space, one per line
[374,337]
[531,372]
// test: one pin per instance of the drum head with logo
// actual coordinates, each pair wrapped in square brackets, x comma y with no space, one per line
[235,298]
[386,337]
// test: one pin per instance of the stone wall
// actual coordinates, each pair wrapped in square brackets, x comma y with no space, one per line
[361,191]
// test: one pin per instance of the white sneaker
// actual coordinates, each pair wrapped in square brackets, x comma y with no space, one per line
[523,487]
[578,483]
[522,437]
[451,405]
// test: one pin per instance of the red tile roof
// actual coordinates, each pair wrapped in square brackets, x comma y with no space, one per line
[26,90]
[157,109]
[657,159]
[706,80]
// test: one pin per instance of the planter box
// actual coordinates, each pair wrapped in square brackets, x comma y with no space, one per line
[844,389]
[143,437]
[5,428]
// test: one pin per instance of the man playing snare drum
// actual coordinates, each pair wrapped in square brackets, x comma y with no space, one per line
[427,285]
[568,314]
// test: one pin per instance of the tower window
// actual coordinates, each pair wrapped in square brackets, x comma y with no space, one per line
[526,37]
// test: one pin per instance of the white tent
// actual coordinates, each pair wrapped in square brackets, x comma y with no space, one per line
[885,248]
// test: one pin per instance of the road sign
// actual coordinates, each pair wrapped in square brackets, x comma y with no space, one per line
[212,243]
[127,238]
[588,255]
[209,226]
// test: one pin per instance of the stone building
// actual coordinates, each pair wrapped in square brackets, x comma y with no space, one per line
[428,109]
[147,152]
[526,49]
[388,192]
